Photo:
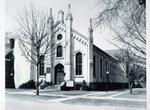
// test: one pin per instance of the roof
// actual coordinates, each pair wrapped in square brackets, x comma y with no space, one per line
[86,38]
[8,36]
[75,31]
[9,56]
[99,50]
[113,52]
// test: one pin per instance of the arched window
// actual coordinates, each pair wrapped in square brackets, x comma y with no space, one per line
[59,51]
[79,63]
[41,64]
[101,67]
[94,66]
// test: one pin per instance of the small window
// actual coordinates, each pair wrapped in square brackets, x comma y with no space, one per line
[101,67]
[48,69]
[94,66]
[106,66]
[59,51]
[59,37]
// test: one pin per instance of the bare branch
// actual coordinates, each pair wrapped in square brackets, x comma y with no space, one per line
[128,21]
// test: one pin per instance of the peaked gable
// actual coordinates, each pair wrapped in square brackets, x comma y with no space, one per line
[60,26]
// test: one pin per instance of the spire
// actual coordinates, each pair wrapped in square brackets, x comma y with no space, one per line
[50,18]
[91,27]
[69,15]
[91,32]
[50,12]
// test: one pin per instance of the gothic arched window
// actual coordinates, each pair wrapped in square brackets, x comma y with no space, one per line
[94,66]
[79,63]
[59,51]
[41,64]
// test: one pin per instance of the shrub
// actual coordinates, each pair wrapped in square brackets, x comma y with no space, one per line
[28,85]
[92,87]
[84,86]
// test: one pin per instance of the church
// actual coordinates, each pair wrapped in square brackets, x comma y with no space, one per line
[75,59]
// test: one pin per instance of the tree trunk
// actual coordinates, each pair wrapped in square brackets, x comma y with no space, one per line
[38,70]
[37,82]
[130,87]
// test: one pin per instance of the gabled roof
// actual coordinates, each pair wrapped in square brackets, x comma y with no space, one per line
[74,31]
[106,54]
[81,35]
[86,38]
[9,56]
[113,52]
[7,51]
[8,36]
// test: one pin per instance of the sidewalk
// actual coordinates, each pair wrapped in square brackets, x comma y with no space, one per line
[118,98]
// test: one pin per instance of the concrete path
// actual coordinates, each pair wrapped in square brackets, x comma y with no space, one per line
[91,95]
[12,104]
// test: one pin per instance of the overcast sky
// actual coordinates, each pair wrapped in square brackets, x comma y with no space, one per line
[82,11]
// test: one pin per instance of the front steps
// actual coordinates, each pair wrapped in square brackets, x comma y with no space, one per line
[54,87]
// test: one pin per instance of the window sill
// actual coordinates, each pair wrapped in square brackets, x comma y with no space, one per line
[42,76]
[58,58]
[79,76]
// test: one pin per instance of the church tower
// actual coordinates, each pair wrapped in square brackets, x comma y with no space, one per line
[52,39]
[33,68]
[90,52]
[69,46]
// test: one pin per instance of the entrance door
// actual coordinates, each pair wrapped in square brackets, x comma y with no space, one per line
[59,74]
[9,71]
[60,78]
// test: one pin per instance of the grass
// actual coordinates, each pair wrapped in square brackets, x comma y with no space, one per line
[106,102]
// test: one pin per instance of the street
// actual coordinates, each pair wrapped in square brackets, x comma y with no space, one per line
[75,100]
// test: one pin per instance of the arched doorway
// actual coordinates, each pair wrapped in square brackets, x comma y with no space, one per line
[59,74]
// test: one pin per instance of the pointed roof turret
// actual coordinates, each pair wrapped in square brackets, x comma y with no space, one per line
[91,26]
[69,14]
[91,32]
[50,18]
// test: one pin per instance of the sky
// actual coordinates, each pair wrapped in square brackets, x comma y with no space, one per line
[82,11]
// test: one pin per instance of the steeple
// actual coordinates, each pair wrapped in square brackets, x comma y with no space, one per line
[69,49]
[50,18]
[91,32]
[69,14]
[50,22]
[91,27]
[90,50]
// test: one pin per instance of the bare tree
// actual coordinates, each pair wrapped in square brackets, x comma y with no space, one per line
[33,33]
[127,18]
[133,67]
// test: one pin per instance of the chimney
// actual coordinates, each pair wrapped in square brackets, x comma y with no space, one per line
[12,43]
[61,16]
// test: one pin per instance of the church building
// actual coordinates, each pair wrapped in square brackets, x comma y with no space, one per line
[75,58]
